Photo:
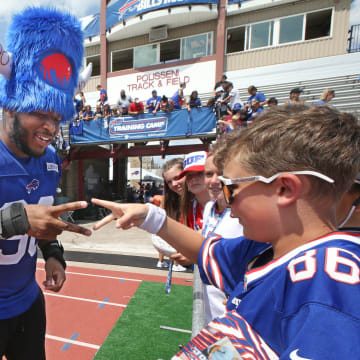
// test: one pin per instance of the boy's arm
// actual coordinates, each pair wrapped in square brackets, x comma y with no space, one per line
[182,238]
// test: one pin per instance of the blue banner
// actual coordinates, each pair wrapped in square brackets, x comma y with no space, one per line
[176,124]
[124,9]
[236,1]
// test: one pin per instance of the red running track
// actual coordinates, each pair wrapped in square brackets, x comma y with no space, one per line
[82,314]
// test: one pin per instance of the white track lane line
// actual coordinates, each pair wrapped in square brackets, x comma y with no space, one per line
[80,343]
[84,299]
[99,276]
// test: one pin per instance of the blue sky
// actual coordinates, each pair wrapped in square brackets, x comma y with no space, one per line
[88,7]
[77,7]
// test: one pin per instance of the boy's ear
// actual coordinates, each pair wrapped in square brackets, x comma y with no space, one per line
[289,189]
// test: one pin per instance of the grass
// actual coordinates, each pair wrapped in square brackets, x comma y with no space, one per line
[137,334]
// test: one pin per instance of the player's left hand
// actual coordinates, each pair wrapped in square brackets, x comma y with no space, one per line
[55,275]
[45,221]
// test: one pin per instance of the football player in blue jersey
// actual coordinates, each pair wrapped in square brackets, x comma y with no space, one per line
[40,73]
[282,177]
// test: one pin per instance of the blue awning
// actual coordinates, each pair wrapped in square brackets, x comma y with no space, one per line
[123,9]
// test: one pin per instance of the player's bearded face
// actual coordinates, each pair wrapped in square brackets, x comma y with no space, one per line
[30,140]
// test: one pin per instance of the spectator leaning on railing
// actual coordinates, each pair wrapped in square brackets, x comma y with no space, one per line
[88,113]
[136,107]
[123,103]
[153,103]
[194,101]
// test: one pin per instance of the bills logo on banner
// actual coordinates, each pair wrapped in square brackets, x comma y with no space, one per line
[125,127]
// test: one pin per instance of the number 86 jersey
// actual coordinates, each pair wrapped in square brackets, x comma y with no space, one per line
[303,305]
[30,181]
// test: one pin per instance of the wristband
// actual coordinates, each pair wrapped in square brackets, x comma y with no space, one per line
[13,221]
[53,249]
[154,220]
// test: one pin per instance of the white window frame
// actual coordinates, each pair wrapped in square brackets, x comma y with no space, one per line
[276,31]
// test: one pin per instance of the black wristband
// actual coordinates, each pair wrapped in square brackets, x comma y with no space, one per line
[53,249]
[14,221]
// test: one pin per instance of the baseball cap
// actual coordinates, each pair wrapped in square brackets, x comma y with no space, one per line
[194,161]
[296,90]
[218,89]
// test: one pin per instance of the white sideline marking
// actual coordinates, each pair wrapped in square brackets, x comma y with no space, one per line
[80,343]
[100,276]
[84,299]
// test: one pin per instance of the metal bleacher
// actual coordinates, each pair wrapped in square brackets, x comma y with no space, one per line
[347,91]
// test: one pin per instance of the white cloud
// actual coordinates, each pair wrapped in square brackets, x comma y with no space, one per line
[76,7]
[355,12]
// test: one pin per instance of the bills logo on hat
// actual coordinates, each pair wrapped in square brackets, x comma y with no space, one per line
[194,161]
[56,70]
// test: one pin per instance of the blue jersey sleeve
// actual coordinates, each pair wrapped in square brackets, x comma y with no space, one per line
[222,262]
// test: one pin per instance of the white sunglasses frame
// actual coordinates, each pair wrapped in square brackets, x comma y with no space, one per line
[270,179]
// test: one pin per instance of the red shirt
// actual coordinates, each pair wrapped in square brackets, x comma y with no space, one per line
[136,107]
[198,217]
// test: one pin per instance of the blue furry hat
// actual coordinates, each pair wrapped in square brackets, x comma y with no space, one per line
[46,48]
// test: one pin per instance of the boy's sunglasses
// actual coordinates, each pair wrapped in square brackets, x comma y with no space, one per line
[228,189]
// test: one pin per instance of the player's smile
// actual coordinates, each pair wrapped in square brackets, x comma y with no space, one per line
[33,132]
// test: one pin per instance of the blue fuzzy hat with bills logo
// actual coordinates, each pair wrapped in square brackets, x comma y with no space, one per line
[41,63]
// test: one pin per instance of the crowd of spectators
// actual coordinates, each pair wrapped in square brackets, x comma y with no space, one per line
[231,112]
[143,192]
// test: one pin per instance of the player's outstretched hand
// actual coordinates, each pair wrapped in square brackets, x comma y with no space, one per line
[127,215]
[45,221]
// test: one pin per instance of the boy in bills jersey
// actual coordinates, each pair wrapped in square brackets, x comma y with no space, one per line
[40,74]
[282,177]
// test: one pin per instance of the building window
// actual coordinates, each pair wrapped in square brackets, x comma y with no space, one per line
[95,60]
[318,24]
[170,51]
[291,29]
[164,52]
[121,60]
[236,39]
[146,55]
[195,46]
[261,34]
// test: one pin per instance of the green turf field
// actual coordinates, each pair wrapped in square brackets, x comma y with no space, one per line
[137,334]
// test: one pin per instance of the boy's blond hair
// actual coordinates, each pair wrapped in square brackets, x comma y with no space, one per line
[299,138]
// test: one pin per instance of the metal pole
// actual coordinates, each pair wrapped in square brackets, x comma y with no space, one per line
[198,317]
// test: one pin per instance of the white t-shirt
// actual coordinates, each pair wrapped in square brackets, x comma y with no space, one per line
[124,103]
[234,99]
